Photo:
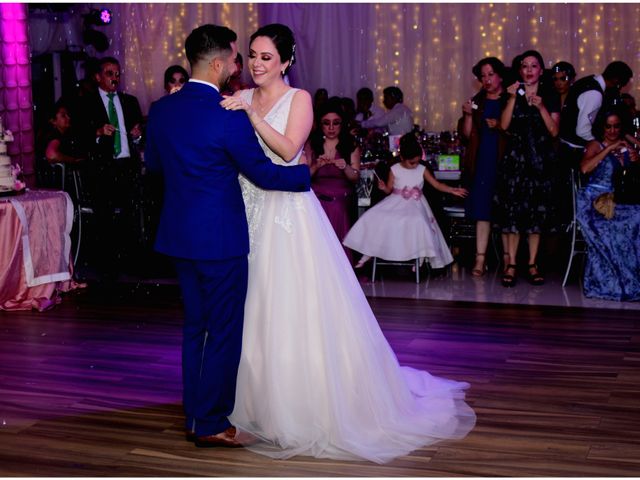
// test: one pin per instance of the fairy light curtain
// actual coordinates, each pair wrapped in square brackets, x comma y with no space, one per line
[425,49]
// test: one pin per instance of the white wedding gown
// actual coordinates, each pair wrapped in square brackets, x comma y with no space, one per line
[317,377]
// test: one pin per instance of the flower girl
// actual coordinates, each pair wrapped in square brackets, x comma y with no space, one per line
[402,226]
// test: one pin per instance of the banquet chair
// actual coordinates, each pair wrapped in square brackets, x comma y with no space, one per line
[578,245]
[83,209]
[462,229]
[415,263]
[81,204]
[63,173]
[50,175]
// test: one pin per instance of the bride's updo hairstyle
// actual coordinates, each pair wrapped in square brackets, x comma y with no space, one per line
[282,38]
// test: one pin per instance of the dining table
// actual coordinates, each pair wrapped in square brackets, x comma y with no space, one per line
[35,249]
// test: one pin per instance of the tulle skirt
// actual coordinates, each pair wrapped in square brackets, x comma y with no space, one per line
[400,229]
[317,377]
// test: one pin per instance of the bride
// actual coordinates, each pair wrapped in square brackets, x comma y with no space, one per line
[317,377]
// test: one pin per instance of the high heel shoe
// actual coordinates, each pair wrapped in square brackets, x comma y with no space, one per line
[479,271]
[534,276]
[509,279]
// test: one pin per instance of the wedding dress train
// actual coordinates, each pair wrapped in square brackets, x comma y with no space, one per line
[317,377]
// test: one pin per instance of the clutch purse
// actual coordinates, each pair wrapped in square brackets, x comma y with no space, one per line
[605,205]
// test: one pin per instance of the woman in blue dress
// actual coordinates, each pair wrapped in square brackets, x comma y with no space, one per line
[481,126]
[613,261]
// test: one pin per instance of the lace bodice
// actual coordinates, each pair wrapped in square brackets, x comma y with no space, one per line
[254,196]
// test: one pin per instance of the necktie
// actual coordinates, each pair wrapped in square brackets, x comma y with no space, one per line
[113,120]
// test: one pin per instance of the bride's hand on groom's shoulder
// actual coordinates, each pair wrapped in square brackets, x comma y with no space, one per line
[234,103]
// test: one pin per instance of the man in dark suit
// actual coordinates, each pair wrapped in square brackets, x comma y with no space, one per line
[111,124]
[200,148]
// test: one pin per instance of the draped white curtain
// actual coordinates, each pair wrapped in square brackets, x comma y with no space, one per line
[425,49]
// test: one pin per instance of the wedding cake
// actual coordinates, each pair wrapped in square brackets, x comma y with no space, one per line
[8,173]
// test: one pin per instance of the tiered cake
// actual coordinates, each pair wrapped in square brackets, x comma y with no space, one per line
[7,172]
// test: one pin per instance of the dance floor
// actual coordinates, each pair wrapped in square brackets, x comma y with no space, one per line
[92,387]
[458,284]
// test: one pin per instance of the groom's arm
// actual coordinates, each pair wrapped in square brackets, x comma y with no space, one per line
[242,145]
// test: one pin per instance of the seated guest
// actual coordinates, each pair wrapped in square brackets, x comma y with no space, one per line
[398,119]
[402,226]
[174,78]
[60,144]
[613,236]
[334,161]
[57,143]
[365,108]
[562,75]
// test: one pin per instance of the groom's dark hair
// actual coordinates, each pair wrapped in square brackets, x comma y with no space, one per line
[208,40]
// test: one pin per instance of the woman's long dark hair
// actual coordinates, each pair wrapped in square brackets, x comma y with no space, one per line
[601,118]
[346,142]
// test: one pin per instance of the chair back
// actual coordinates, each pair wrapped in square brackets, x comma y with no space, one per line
[578,245]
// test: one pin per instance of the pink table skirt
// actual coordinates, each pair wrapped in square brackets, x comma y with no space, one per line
[35,249]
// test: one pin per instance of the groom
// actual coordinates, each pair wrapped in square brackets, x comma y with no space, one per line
[200,148]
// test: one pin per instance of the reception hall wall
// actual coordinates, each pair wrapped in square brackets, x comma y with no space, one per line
[425,49]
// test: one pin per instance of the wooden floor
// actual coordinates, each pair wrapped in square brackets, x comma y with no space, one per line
[93,389]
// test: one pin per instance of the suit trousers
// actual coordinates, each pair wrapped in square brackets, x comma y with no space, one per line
[114,186]
[214,293]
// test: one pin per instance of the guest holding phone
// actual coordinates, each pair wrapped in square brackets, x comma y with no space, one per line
[522,198]
[612,231]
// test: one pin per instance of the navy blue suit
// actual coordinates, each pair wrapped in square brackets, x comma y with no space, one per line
[200,148]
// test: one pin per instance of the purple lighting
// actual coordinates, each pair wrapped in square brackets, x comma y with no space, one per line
[16,105]
[105,16]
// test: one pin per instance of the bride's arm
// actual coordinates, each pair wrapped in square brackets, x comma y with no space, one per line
[298,128]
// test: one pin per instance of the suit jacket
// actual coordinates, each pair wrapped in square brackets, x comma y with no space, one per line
[200,148]
[94,115]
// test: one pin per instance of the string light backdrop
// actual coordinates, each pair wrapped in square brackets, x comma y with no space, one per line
[425,49]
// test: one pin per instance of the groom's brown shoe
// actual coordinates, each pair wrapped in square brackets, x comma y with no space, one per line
[222,439]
